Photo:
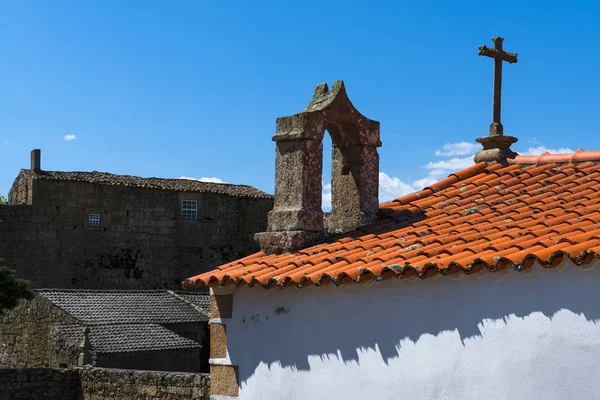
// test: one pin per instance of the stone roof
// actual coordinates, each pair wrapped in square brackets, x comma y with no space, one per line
[177,185]
[101,307]
[125,338]
[480,218]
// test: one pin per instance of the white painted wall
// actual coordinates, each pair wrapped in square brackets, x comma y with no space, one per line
[509,335]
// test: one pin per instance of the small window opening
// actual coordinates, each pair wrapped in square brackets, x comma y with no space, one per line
[94,220]
[189,209]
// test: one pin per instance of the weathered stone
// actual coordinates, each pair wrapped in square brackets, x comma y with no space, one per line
[277,242]
[218,341]
[224,380]
[496,146]
[102,384]
[296,220]
[496,149]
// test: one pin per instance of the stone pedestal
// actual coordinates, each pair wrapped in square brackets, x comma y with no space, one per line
[496,149]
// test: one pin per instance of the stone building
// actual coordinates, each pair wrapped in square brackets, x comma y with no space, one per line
[484,285]
[147,330]
[104,231]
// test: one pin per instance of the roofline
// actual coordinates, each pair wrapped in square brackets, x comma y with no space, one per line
[389,209]
[545,158]
[195,292]
[173,294]
[40,175]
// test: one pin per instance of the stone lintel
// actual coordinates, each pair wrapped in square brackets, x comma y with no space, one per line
[329,110]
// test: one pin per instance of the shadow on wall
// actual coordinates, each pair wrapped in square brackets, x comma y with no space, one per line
[291,325]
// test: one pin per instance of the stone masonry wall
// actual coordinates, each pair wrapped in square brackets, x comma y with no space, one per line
[101,384]
[159,360]
[116,384]
[38,384]
[25,334]
[142,241]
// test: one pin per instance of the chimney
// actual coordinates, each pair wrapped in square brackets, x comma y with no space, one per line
[296,220]
[36,160]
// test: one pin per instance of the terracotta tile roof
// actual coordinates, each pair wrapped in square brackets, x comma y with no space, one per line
[481,217]
[579,156]
[177,185]
[126,338]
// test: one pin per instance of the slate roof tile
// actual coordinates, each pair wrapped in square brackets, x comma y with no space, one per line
[535,209]
[100,307]
[125,338]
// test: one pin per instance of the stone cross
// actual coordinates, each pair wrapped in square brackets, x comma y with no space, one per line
[499,55]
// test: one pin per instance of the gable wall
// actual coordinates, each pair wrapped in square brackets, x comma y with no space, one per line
[500,335]
[21,191]
[25,332]
[142,243]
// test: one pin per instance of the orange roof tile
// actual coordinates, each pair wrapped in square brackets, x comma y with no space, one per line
[493,217]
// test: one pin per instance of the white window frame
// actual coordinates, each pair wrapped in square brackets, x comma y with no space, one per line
[94,220]
[189,209]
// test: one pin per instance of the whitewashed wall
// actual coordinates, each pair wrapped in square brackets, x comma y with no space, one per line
[510,335]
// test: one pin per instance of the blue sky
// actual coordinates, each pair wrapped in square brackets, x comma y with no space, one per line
[192,88]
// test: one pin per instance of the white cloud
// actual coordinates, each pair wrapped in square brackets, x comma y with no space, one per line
[458,149]
[454,164]
[536,151]
[205,179]
[68,138]
[326,198]
[391,187]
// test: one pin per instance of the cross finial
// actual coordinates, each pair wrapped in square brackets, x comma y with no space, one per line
[496,143]
[499,55]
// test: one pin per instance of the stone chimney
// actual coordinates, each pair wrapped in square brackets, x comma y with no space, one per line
[36,160]
[296,220]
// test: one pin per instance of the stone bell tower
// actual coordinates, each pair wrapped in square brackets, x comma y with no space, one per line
[296,220]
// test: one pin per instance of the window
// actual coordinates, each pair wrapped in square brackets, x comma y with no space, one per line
[189,209]
[94,220]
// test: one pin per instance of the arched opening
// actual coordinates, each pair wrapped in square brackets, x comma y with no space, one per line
[326,175]
[326,172]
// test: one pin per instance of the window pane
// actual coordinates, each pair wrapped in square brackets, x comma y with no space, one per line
[189,209]
[94,220]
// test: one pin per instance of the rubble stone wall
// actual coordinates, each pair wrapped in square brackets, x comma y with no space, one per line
[101,384]
[25,334]
[40,383]
[120,384]
[142,241]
